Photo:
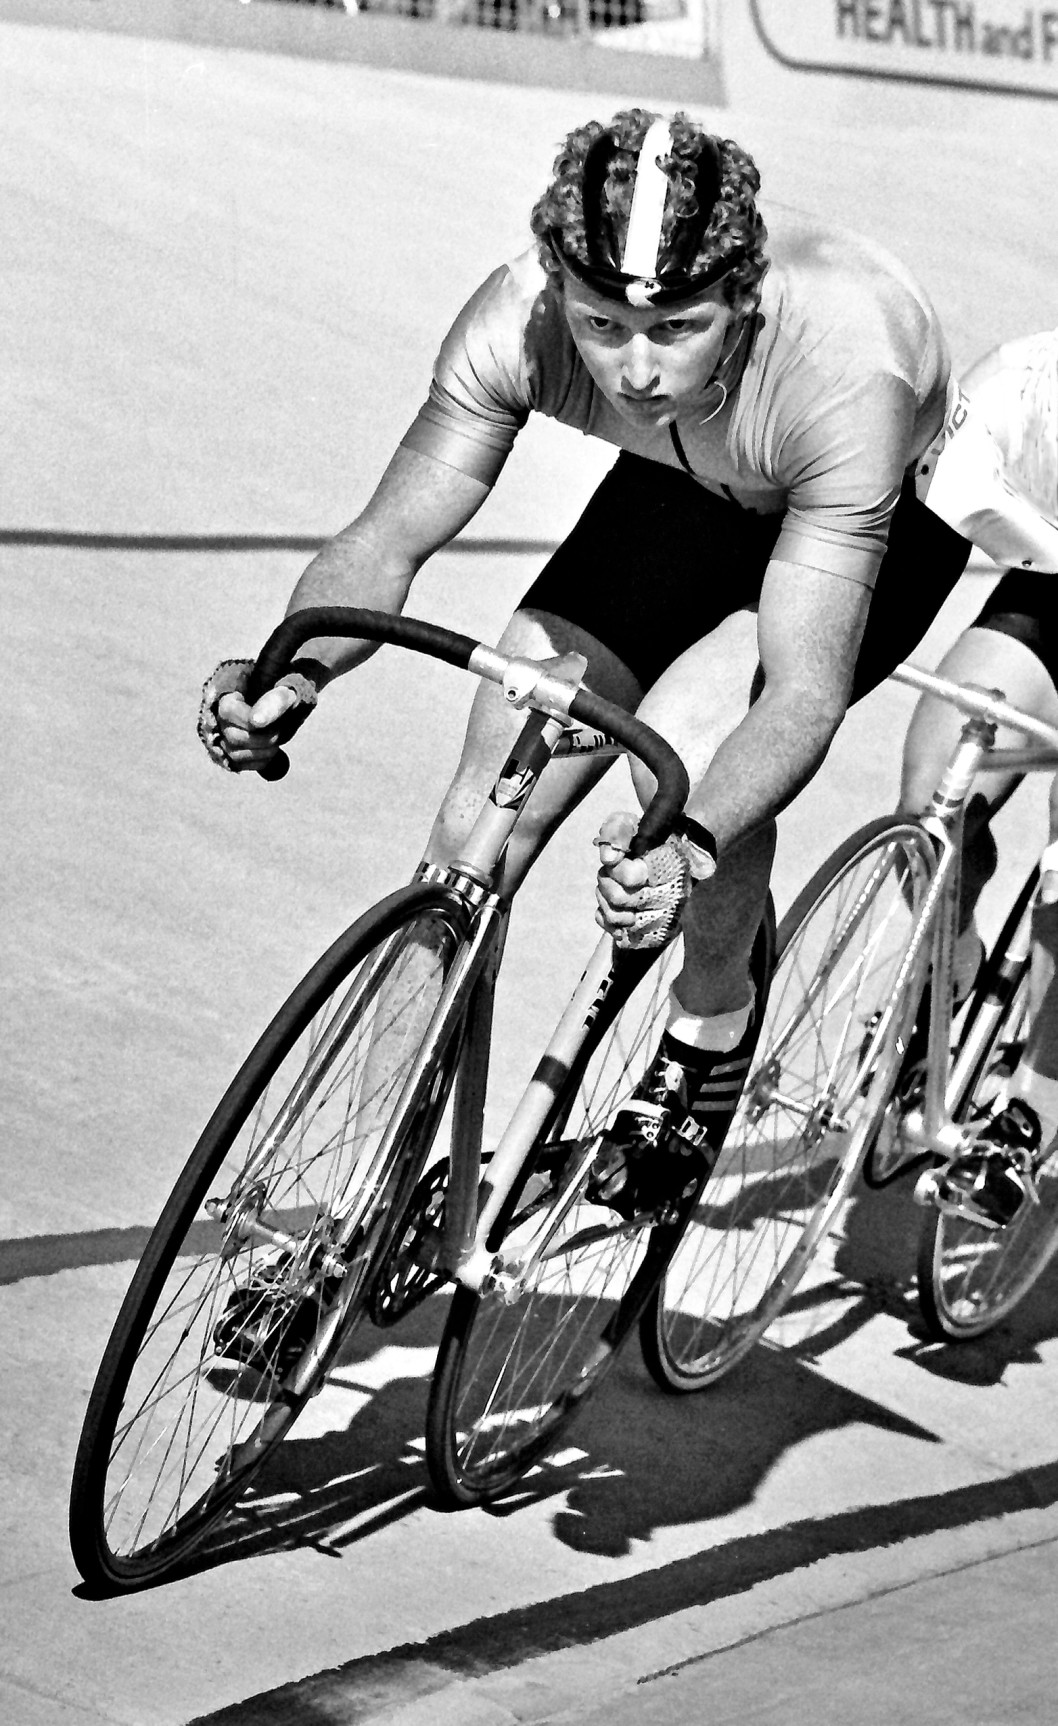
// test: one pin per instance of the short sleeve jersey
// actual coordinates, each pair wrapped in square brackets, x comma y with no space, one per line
[1016,391]
[843,386]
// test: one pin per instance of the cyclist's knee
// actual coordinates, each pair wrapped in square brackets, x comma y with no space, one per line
[455,820]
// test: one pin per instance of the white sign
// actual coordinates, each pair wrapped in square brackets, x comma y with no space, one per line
[989,44]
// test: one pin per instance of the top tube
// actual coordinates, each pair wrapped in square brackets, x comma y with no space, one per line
[525,682]
[989,705]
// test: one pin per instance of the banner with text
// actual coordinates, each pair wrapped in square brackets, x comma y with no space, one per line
[986,44]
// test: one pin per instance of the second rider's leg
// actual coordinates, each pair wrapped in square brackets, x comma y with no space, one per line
[988,1184]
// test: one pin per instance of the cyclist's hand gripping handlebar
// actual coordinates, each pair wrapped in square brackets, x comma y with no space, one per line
[662,814]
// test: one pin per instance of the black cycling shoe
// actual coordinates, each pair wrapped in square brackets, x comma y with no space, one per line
[990,1184]
[663,1143]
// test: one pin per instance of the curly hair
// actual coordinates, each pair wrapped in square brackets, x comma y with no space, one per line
[735,224]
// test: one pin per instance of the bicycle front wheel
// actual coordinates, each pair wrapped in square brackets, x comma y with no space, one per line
[970,1278]
[518,1359]
[265,1251]
[846,984]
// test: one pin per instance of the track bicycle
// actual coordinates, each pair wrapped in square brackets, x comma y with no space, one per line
[864,955]
[315,1197]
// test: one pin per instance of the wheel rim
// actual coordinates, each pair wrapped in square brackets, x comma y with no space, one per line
[977,1276]
[251,1295]
[793,1150]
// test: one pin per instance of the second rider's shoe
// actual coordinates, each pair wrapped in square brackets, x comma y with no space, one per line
[662,1145]
[990,1184]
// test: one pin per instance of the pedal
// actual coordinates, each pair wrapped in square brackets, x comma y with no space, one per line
[927,1190]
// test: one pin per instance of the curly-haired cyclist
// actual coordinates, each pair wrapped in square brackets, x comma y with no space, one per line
[769,386]
[1011,645]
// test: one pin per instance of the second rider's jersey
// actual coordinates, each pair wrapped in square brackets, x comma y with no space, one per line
[842,387]
[1015,389]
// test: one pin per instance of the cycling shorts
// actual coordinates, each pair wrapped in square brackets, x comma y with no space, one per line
[656,563]
[1026,606]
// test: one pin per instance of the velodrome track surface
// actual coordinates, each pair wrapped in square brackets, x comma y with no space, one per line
[225,278]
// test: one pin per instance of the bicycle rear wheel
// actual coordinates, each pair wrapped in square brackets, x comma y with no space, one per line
[842,998]
[970,1278]
[264,1253]
[518,1358]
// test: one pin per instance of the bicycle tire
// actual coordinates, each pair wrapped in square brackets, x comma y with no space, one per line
[828,1055]
[510,1377]
[499,1396]
[224,1336]
[971,1278]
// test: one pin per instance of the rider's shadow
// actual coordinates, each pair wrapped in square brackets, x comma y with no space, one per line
[652,1461]
[634,1460]
[331,1489]
[875,1266]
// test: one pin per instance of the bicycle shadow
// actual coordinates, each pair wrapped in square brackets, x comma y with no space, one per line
[329,1490]
[875,1271]
[633,1461]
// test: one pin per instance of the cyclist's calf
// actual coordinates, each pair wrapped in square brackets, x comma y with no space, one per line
[720,925]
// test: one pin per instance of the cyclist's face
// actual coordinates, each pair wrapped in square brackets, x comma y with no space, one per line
[652,363]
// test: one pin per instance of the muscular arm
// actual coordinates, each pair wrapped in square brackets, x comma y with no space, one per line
[809,629]
[420,504]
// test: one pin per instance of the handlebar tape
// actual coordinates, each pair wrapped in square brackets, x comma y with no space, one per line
[281,648]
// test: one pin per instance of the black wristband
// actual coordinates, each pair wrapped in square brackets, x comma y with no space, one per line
[313,670]
[699,836]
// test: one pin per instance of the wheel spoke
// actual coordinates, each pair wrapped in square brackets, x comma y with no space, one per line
[225,1309]
[804,1120]
[970,1277]
[516,1362]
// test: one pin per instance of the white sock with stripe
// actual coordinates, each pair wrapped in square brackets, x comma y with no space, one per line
[716,1033]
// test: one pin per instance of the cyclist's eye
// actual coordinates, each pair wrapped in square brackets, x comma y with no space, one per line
[600,324]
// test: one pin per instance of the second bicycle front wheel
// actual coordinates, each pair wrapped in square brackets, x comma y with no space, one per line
[845,980]
[263,1256]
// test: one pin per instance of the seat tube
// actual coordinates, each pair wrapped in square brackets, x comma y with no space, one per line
[946,820]
[941,989]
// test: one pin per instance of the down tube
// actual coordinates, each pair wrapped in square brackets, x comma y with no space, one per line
[531,1115]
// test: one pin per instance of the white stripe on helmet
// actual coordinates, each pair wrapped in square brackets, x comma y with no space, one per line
[643,239]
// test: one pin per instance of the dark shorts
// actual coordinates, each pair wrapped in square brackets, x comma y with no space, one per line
[656,562]
[1026,607]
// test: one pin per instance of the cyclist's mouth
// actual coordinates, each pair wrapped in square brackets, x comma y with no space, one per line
[646,407]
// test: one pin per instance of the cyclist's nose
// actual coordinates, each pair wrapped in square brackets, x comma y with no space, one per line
[640,369]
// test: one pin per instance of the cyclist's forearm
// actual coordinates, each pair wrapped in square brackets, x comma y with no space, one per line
[348,571]
[419,506]
[763,764]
